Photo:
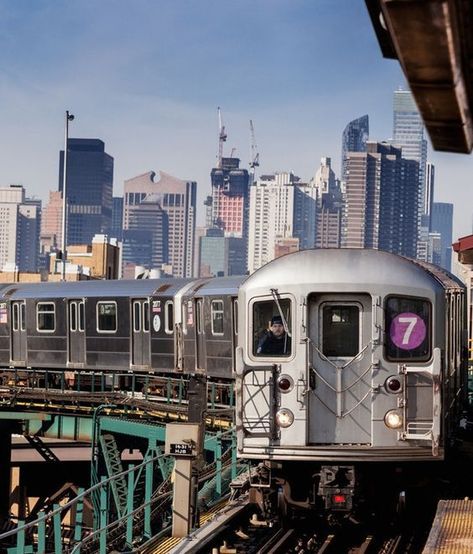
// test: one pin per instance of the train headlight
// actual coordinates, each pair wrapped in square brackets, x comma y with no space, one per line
[393,419]
[285,383]
[393,384]
[284,418]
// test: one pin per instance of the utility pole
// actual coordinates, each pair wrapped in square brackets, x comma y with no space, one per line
[69,117]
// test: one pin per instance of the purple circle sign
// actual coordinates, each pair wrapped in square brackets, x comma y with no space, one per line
[407,331]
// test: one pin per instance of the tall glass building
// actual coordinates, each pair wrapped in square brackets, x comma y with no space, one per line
[117,218]
[409,131]
[89,189]
[442,223]
[145,240]
[354,138]
[409,135]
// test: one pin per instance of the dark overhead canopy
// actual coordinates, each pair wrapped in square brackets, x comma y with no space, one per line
[433,41]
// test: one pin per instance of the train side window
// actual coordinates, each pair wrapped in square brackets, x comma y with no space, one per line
[107,317]
[73,316]
[15,316]
[235,317]
[216,317]
[81,316]
[169,317]
[146,316]
[136,316]
[45,317]
[340,330]
[23,316]
[270,338]
[184,318]
[199,316]
[407,329]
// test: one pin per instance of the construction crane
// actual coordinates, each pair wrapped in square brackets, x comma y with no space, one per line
[254,157]
[222,137]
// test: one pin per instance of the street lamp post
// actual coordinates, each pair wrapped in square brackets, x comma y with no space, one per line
[69,117]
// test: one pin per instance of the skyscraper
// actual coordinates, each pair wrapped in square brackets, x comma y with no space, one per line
[409,135]
[89,189]
[354,138]
[145,239]
[177,198]
[429,193]
[382,200]
[442,223]
[329,206]
[425,246]
[227,210]
[230,197]
[20,220]
[281,207]
[409,132]
[221,256]
[116,230]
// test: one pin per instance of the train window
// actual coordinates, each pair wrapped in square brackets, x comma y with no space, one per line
[340,330]
[216,315]
[73,316]
[81,316]
[169,317]
[235,317]
[136,316]
[184,318]
[45,317]
[199,317]
[407,328]
[146,316]
[15,316]
[270,337]
[23,316]
[106,317]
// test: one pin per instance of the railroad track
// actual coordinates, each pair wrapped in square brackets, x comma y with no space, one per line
[246,533]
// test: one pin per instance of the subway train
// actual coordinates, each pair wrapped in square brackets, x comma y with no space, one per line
[341,359]
[169,326]
[375,371]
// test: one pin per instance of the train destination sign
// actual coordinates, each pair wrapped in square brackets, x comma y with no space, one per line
[407,331]
[181,449]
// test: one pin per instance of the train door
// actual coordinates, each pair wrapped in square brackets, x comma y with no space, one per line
[76,312]
[340,368]
[140,347]
[200,334]
[18,331]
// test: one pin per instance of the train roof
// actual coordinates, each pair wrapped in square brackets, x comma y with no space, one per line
[345,266]
[221,285]
[102,288]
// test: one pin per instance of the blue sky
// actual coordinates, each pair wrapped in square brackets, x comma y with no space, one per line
[146,76]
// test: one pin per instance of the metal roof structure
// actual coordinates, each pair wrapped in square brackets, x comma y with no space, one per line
[103,288]
[433,41]
[339,266]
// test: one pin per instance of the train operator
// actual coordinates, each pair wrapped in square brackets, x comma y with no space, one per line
[275,341]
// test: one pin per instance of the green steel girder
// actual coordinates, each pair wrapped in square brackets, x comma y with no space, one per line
[24,416]
[114,467]
[62,427]
[133,428]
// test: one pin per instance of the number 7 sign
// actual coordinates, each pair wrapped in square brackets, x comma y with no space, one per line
[407,331]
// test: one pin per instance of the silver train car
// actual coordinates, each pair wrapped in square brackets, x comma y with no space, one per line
[171,327]
[373,370]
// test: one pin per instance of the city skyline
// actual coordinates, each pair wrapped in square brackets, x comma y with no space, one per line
[153,100]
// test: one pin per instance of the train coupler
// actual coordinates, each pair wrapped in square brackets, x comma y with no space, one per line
[337,487]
